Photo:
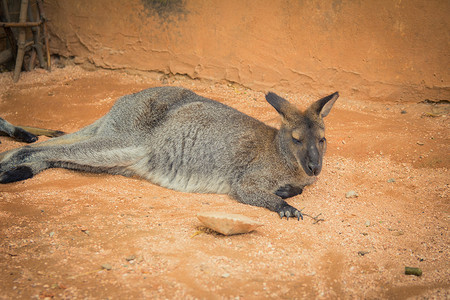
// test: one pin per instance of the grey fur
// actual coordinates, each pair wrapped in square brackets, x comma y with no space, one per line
[180,140]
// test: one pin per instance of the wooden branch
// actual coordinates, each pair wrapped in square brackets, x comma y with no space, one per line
[413,271]
[40,6]
[37,42]
[20,24]
[21,40]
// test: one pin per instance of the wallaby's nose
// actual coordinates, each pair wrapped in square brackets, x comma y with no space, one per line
[314,168]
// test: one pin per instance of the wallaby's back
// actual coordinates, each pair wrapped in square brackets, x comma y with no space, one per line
[195,144]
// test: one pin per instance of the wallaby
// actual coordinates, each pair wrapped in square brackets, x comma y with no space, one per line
[24,133]
[182,141]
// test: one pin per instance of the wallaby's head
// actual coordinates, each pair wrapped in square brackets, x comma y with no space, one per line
[302,134]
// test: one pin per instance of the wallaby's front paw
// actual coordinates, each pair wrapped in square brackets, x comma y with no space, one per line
[289,212]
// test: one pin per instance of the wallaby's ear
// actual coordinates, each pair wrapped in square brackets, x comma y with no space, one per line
[323,106]
[283,107]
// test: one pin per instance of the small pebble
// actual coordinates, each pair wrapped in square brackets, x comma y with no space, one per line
[398,233]
[106,266]
[362,253]
[51,234]
[351,194]
[367,223]
[225,275]
[391,180]
[130,258]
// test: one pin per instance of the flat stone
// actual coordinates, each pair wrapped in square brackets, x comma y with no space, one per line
[228,224]
[351,194]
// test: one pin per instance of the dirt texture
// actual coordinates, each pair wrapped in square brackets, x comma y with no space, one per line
[70,235]
[385,50]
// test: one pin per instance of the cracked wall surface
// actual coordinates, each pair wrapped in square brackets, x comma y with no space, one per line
[381,50]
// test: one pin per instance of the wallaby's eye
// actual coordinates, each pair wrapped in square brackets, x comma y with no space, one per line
[296,141]
[322,141]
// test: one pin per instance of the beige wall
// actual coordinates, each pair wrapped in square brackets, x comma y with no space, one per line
[382,50]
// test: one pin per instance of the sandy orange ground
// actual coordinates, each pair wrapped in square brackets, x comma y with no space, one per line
[59,228]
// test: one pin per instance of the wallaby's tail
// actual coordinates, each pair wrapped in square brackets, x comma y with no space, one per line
[41,131]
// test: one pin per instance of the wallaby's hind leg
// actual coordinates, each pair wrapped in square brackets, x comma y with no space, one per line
[24,133]
[91,154]
[22,172]
[16,132]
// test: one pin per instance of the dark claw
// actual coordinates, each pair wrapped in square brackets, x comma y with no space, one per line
[288,214]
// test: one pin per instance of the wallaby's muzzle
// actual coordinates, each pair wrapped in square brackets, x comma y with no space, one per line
[312,162]
[313,169]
